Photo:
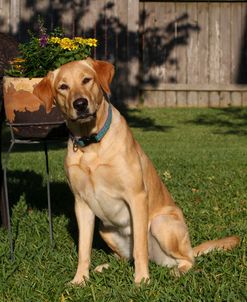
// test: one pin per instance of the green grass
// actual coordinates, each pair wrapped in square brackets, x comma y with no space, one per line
[201,154]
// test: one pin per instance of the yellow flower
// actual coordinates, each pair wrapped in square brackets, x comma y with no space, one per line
[54,40]
[19,67]
[71,44]
[79,40]
[90,42]
[16,61]
[67,43]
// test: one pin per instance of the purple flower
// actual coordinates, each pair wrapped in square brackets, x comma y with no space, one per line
[43,40]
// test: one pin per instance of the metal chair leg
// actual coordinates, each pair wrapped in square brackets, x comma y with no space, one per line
[48,194]
[11,243]
[6,197]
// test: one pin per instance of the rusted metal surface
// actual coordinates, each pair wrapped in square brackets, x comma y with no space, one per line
[39,124]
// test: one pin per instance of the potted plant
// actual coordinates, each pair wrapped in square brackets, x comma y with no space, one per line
[36,58]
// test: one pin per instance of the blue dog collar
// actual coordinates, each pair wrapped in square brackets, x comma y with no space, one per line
[94,138]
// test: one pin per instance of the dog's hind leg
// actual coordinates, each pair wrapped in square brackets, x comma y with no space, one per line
[121,245]
[173,248]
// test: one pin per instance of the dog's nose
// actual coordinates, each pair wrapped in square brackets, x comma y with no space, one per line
[80,105]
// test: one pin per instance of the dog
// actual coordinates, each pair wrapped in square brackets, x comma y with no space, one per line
[112,178]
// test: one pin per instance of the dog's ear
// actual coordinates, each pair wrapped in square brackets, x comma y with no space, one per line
[43,90]
[105,73]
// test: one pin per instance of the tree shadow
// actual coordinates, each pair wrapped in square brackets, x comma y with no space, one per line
[144,123]
[159,44]
[122,47]
[33,187]
[227,121]
[117,43]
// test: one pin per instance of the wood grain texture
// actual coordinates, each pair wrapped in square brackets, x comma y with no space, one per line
[225,99]
[5,16]
[192,98]
[203,99]
[181,49]
[214,42]
[225,43]
[236,35]
[214,99]
[190,48]
[236,99]
[171,99]
[203,43]
[181,99]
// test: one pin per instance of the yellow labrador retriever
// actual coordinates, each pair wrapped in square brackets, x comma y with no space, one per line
[113,179]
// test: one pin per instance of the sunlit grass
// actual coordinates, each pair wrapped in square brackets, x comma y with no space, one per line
[204,164]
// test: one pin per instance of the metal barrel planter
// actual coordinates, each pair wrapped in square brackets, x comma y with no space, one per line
[27,114]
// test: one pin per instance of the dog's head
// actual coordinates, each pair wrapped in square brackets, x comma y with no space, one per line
[77,88]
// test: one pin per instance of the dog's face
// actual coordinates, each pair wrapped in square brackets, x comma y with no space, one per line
[77,88]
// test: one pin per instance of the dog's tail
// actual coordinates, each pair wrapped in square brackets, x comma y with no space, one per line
[225,244]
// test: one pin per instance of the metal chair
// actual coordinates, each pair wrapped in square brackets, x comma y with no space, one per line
[14,140]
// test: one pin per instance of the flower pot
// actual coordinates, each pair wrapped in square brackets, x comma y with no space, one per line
[27,113]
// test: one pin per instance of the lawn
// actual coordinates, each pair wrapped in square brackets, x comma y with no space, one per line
[201,155]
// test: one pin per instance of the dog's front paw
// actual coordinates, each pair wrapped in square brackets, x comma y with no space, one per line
[78,281]
[142,279]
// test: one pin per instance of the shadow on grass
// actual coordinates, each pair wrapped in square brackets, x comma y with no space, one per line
[145,123]
[133,116]
[53,144]
[33,187]
[226,120]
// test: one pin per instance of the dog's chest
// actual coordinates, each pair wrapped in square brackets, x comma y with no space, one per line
[99,185]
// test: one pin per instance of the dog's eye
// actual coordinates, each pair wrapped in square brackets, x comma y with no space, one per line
[64,87]
[86,80]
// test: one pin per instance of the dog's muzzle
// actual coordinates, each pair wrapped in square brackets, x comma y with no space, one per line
[81,106]
[82,111]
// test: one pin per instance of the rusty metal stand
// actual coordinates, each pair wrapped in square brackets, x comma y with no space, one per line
[14,141]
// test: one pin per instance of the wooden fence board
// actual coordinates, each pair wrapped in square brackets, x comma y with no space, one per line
[149,22]
[225,45]
[203,99]
[14,15]
[5,16]
[160,99]
[244,99]
[192,98]
[171,99]
[196,87]
[225,99]
[236,98]
[149,98]
[192,49]
[154,99]
[236,34]
[166,12]
[214,42]
[67,18]
[214,99]
[121,67]
[203,43]
[181,49]
[181,99]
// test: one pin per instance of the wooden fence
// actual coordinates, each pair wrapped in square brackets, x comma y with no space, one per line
[201,54]
[170,53]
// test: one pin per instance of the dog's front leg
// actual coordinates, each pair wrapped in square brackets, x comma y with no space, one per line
[85,220]
[139,213]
